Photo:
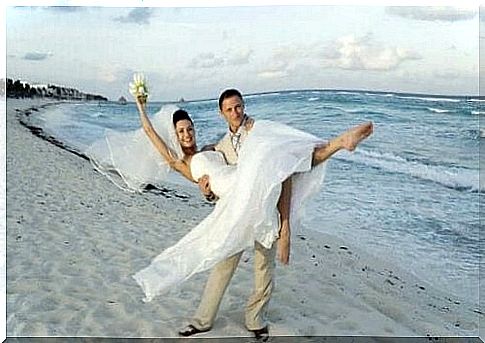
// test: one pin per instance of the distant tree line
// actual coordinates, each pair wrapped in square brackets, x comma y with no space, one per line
[20,89]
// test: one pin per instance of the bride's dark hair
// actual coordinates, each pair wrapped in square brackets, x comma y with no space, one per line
[179,115]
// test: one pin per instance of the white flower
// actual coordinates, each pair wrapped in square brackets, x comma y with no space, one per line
[139,85]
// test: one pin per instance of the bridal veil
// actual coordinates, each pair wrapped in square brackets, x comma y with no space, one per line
[129,159]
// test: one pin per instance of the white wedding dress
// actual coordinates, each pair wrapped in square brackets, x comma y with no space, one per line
[246,210]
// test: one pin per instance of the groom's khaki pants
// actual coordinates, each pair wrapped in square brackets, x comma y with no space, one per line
[264,264]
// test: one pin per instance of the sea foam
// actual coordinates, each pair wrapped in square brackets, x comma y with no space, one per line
[458,178]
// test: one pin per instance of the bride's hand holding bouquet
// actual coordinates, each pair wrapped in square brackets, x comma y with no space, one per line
[139,88]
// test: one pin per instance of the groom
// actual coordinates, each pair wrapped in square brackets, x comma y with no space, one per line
[231,106]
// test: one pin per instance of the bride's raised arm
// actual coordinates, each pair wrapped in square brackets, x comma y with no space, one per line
[140,92]
[156,140]
[179,165]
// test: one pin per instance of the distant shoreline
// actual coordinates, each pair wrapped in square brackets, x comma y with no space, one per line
[21,89]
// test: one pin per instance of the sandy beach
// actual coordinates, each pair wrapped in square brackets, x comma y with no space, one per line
[74,240]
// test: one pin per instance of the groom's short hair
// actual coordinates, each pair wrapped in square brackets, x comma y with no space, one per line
[228,93]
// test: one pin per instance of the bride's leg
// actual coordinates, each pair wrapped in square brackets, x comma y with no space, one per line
[348,140]
[284,204]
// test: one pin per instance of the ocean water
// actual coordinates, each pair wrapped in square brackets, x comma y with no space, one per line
[409,194]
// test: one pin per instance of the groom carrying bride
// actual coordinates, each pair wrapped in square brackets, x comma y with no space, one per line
[259,172]
[231,106]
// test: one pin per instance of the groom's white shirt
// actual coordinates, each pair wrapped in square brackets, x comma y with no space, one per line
[226,147]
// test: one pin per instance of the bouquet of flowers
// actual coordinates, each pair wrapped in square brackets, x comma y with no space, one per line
[138,88]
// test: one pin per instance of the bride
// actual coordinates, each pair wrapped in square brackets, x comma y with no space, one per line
[247,193]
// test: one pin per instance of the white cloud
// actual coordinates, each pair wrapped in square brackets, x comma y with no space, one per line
[37,56]
[277,65]
[288,53]
[240,56]
[454,73]
[268,74]
[277,68]
[140,16]
[353,53]
[206,60]
[282,62]
[235,57]
[429,13]
[446,74]
[109,73]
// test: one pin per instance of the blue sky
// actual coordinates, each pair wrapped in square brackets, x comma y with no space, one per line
[197,52]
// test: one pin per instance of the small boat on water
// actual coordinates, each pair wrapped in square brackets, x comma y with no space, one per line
[122,100]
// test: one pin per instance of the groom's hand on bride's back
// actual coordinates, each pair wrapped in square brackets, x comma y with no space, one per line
[205,188]
[204,184]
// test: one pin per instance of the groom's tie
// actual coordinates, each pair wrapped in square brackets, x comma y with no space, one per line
[236,138]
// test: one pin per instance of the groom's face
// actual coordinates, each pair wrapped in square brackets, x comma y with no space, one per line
[232,110]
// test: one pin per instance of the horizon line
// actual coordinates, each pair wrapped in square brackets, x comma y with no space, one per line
[334,90]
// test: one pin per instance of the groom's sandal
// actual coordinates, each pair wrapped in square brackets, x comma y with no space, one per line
[261,334]
[190,330]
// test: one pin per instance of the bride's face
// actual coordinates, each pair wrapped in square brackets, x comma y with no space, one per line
[185,133]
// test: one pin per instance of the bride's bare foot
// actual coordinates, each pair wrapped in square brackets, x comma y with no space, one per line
[351,138]
[348,140]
